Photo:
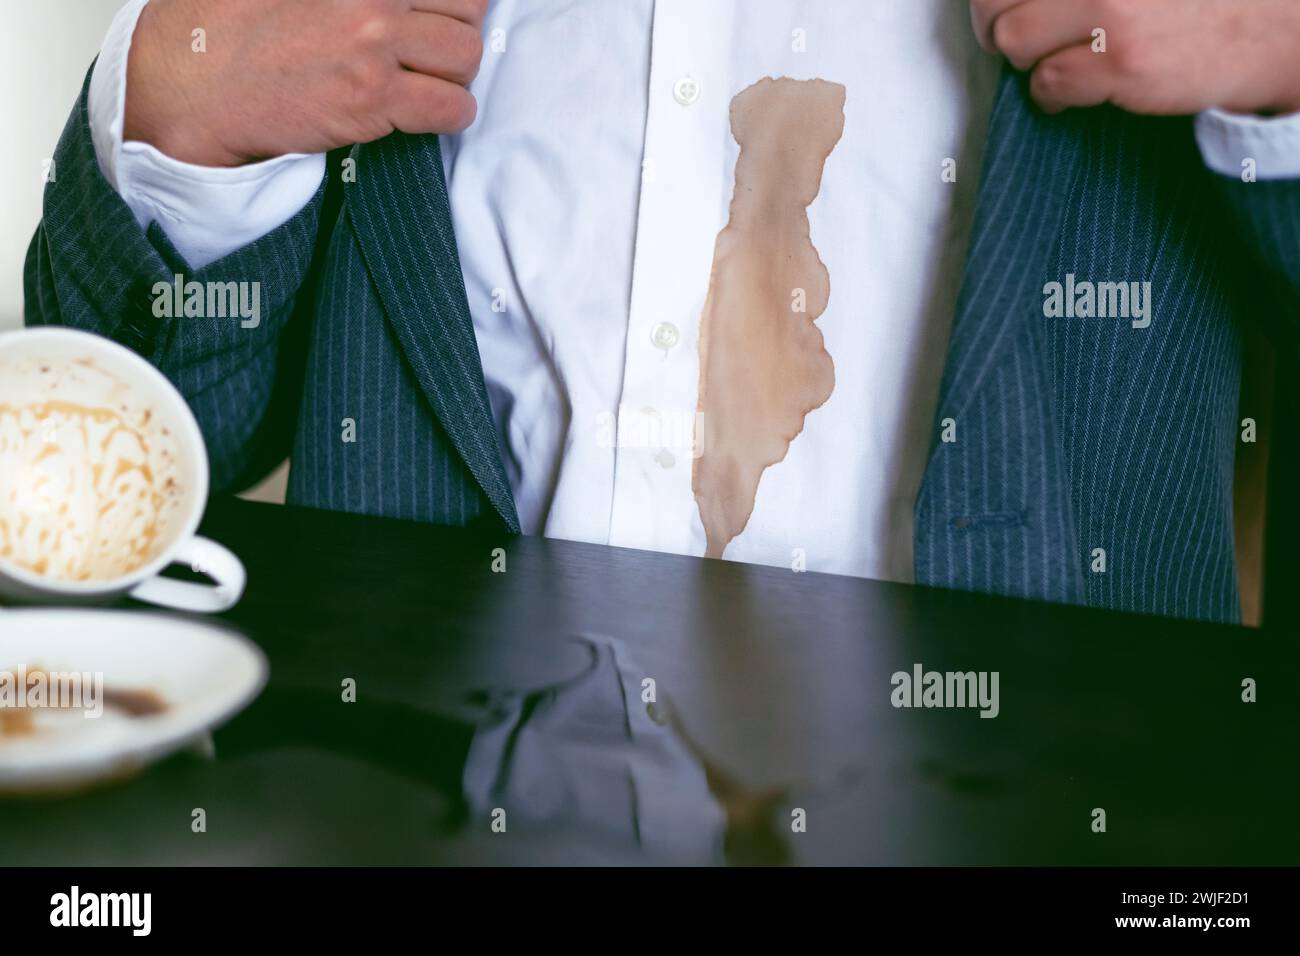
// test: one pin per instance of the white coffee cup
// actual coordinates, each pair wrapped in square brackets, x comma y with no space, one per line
[94,372]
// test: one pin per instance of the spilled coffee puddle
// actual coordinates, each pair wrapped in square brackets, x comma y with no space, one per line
[763,364]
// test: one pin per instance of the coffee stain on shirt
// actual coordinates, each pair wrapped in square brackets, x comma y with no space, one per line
[763,364]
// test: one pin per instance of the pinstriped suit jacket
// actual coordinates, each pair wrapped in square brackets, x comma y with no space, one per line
[1070,434]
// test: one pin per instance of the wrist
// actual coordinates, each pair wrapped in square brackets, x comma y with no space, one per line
[1288,102]
[1284,93]
[158,109]
[181,141]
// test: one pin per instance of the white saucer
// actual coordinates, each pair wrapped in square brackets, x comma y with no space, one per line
[166,682]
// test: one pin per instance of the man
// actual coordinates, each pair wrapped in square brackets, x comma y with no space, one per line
[702,277]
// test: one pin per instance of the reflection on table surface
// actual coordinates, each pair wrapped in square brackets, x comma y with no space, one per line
[600,705]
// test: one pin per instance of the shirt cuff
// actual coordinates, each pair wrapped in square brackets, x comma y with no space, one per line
[207,212]
[1226,140]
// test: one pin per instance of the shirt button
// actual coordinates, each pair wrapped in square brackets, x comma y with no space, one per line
[686,90]
[665,336]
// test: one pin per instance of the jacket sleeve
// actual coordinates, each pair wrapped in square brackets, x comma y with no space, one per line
[91,267]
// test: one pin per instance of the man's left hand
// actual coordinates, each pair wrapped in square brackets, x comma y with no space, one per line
[1162,57]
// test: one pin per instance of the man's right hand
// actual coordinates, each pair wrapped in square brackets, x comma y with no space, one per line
[298,76]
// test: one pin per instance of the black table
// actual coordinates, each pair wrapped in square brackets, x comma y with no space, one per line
[501,714]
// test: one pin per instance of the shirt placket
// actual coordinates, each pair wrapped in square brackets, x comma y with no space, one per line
[681,209]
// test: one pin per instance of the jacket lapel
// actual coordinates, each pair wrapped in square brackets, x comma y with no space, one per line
[398,207]
[1029,170]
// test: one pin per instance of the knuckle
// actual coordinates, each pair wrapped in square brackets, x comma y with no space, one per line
[371,22]
[367,79]
[457,111]
[1126,59]
[1009,38]
[466,53]
[1050,79]
[1140,59]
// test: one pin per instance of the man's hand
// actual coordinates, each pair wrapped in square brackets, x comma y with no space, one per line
[298,76]
[1161,56]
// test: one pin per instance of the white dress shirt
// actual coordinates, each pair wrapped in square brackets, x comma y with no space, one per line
[586,200]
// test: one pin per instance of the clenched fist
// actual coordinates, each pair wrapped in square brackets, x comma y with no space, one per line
[1160,57]
[298,76]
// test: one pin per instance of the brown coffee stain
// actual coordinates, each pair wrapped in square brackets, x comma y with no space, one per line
[130,702]
[16,722]
[763,364]
[135,703]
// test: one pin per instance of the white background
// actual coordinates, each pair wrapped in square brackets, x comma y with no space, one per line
[46,47]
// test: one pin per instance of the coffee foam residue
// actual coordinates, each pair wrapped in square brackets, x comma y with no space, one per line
[89,476]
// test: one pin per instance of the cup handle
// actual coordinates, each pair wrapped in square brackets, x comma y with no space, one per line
[204,556]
